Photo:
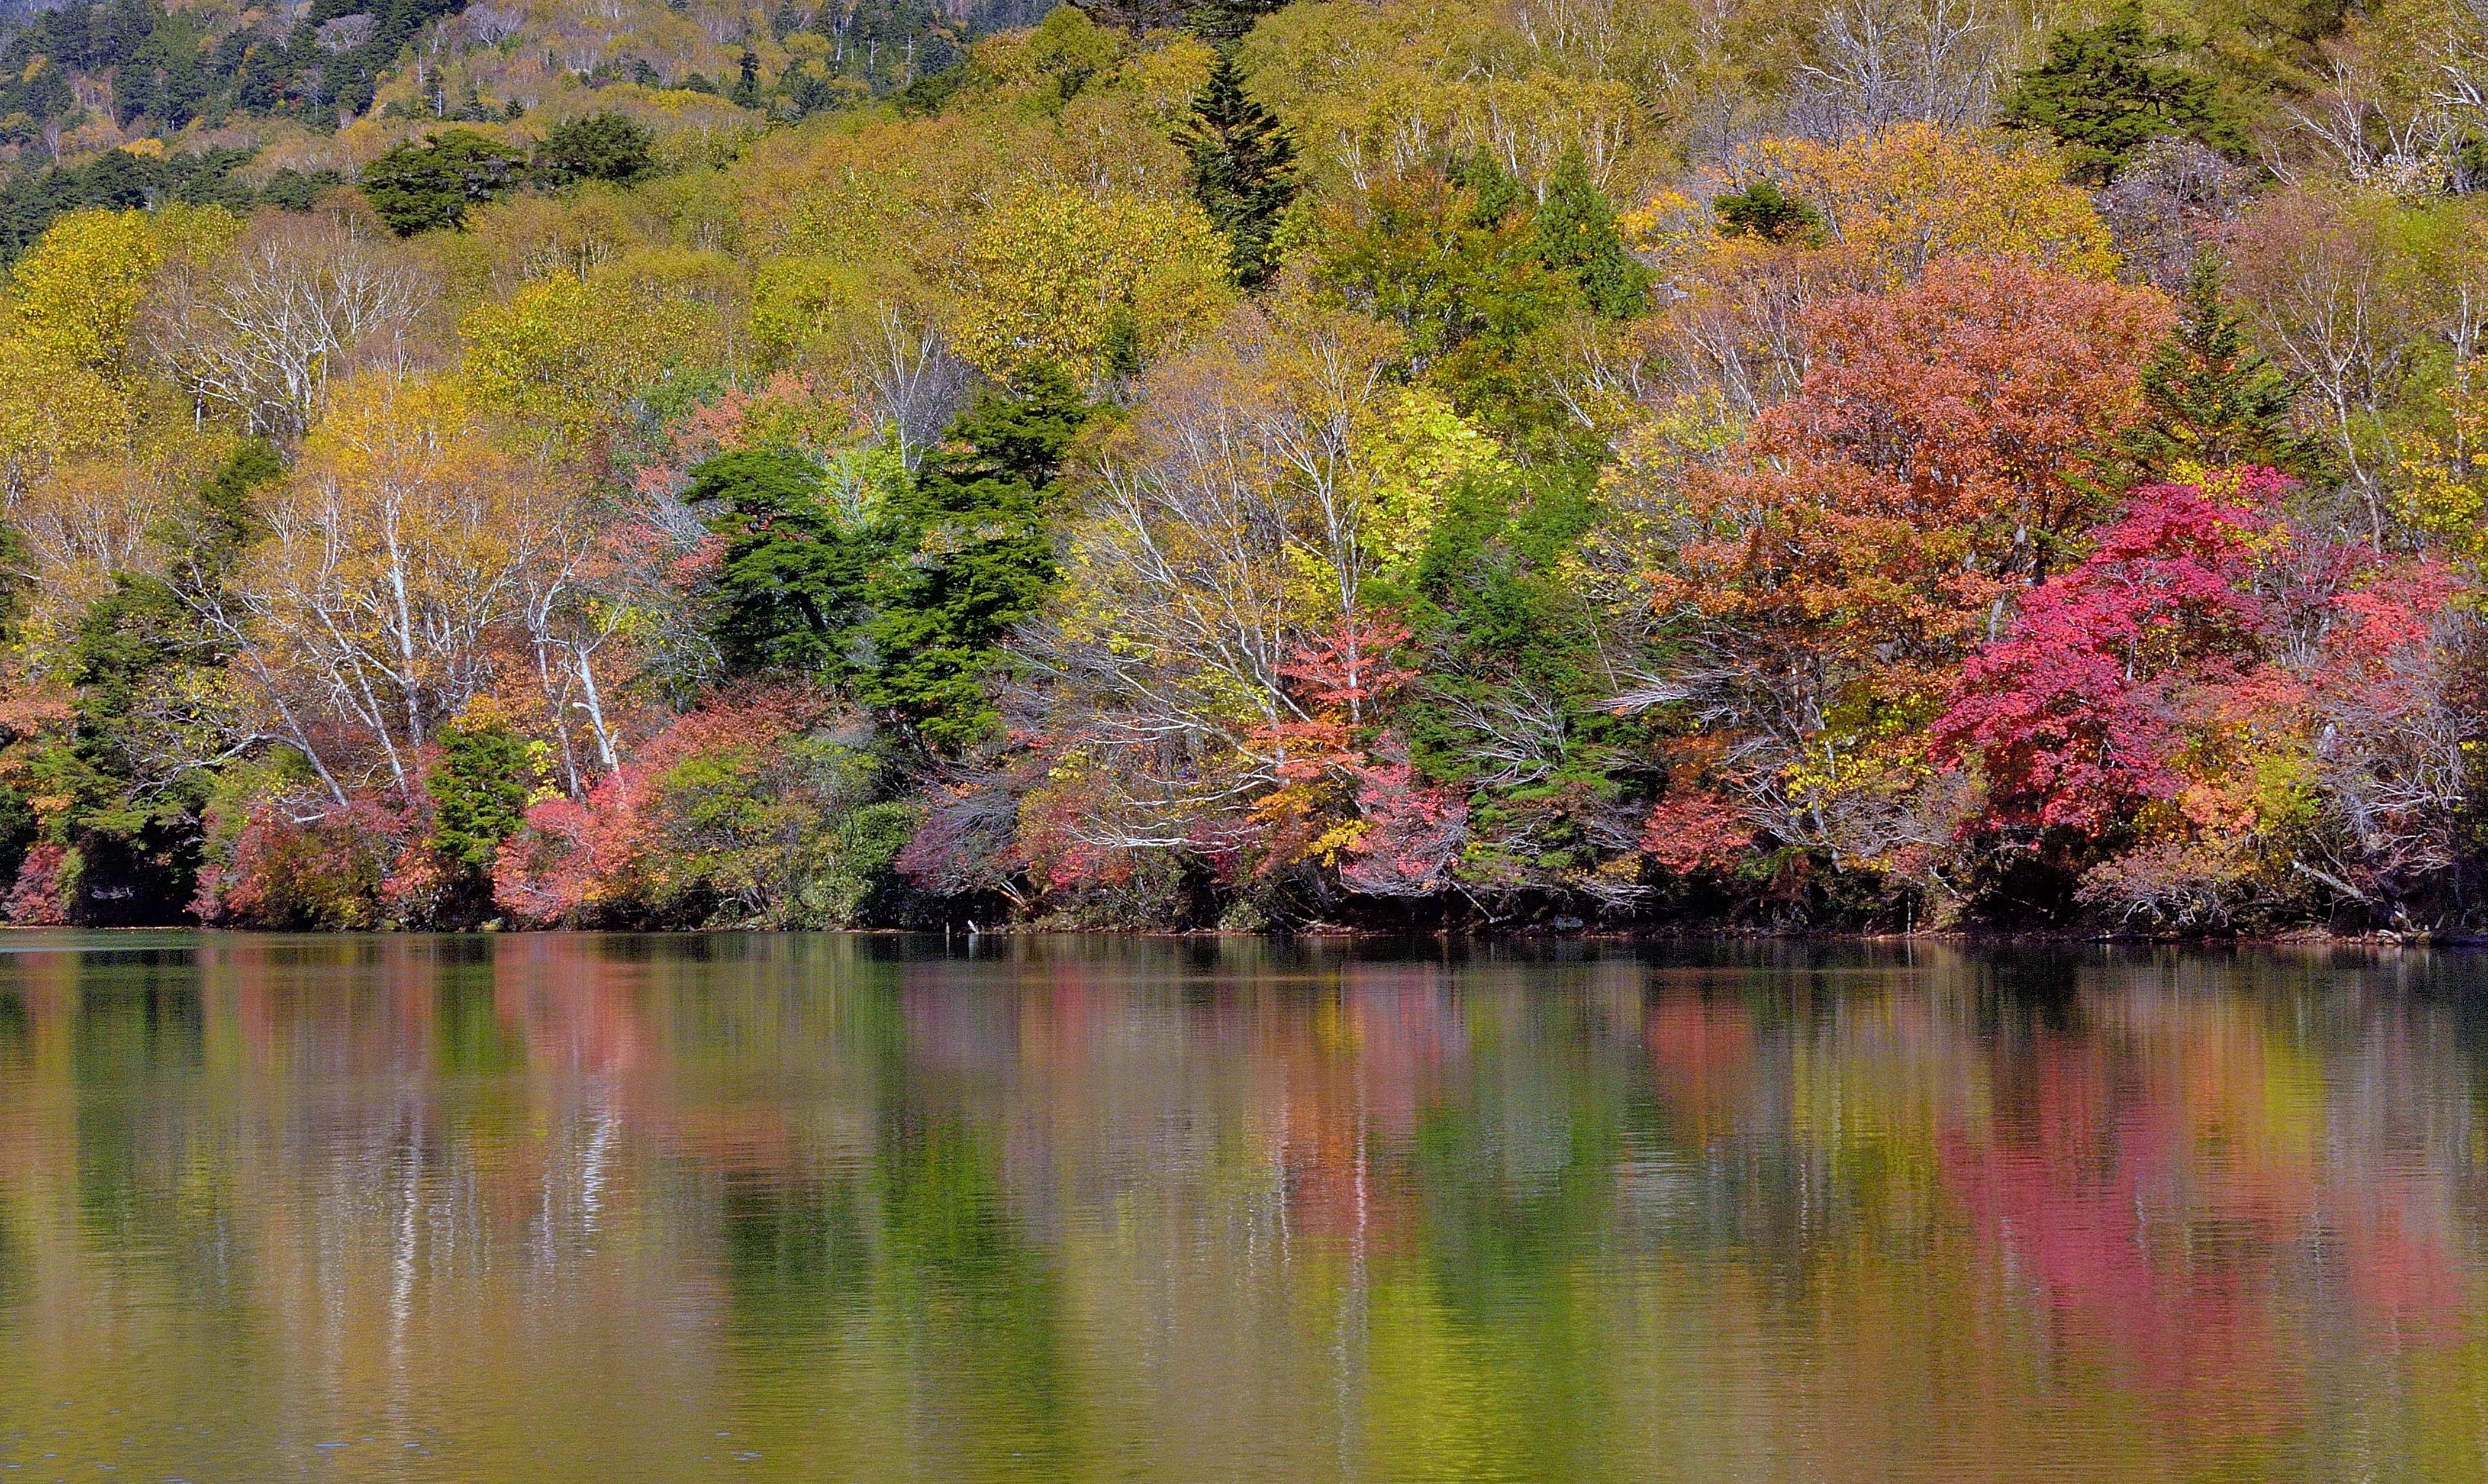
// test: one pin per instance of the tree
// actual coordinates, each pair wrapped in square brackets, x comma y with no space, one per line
[480,787]
[761,808]
[1762,211]
[792,578]
[1212,637]
[429,186]
[297,303]
[970,554]
[121,791]
[2448,473]
[1577,237]
[2076,716]
[2211,400]
[382,599]
[1053,275]
[1243,169]
[611,147]
[1217,20]
[2218,707]
[1439,259]
[567,357]
[1946,448]
[78,290]
[2103,92]
[1895,200]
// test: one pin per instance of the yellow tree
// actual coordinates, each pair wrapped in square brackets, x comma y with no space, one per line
[1893,201]
[65,364]
[1092,286]
[2447,472]
[565,356]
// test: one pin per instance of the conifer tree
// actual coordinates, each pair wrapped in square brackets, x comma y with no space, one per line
[479,789]
[1224,20]
[1762,210]
[2210,400]
[1243,169]
[1577,237]
[791,581]
[2104,92]
[968,553]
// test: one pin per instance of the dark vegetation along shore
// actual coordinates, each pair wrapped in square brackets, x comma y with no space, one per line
[1556,464]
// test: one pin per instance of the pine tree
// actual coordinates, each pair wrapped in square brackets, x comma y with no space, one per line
[1224,20]
[479,788]
[1577,237]
[1762,210]
[2210,400]
[747,85]
[790,586]
[1243,169]
[969,554]
[2102,93]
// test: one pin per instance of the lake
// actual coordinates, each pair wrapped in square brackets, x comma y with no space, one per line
[834,1207]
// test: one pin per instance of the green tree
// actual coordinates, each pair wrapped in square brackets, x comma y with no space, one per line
[1577,237]
[1243,169]
[479,789]
[229,521]
[132,816]
[747,82]
[17,579]
[429,186]
[970,552]
[597,147]
[1762,210]
[2104,92]
[1225,20]
[2210,400]
[793,580]
[1428,255]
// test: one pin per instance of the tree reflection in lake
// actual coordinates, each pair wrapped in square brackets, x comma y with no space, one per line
[856,1208]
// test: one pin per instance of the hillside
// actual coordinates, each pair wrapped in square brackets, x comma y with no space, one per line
[1428,463]
[217,104]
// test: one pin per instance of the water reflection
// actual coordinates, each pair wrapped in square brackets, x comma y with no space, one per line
[864,1209]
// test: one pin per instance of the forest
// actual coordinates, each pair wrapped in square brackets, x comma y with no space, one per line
[1891,466]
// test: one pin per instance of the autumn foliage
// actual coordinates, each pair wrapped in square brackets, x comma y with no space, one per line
[1326,465]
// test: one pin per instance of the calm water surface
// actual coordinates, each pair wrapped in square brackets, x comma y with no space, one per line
[852,1209]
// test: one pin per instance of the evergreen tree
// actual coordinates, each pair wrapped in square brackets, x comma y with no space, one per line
[792,582]
[423,188]
[135,827]
[747,85]
[2212,400]
[597,147]
[479,791]
[17,579]
[1762,210]
[1577,237]
[1243,169]
[970,553]
[2104,92]
[1225,20]
[228,520]
[1495,195]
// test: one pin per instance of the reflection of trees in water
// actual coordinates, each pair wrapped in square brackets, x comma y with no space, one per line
[1497,1205]
[799,1263]
[150,1184]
